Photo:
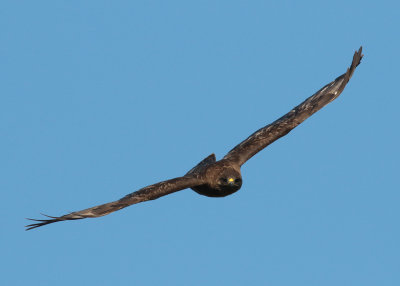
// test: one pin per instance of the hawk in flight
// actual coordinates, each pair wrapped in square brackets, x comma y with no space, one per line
[221,178]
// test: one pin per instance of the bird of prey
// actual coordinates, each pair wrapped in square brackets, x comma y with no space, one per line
[221,178]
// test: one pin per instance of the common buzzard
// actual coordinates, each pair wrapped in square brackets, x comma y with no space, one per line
[221,178]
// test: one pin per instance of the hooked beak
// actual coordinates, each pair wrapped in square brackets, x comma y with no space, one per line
[231,181]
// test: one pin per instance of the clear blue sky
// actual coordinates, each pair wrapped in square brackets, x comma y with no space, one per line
[101,98]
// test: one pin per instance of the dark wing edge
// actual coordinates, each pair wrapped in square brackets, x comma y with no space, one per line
[151,192]
[268,134]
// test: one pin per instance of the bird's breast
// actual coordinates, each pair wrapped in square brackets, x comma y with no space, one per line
[208,191]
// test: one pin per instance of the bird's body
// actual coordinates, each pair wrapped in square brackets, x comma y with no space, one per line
[221,178]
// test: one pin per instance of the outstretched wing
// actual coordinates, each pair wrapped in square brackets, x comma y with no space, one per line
[268,134]
[145,194]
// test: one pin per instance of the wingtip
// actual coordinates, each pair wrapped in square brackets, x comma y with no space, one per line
[41,222]
[358,55]
[345,78]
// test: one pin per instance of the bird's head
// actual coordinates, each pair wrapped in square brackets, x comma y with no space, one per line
[230,181]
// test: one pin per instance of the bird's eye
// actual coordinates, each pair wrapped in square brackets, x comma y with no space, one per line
[237,181]
[223,180]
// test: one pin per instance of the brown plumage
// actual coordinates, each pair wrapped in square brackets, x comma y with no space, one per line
[221,178]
